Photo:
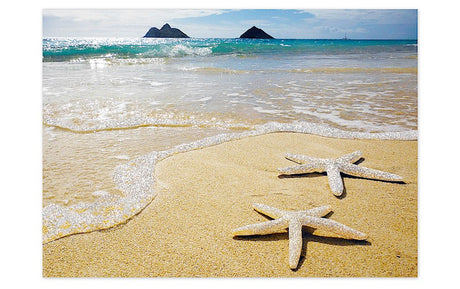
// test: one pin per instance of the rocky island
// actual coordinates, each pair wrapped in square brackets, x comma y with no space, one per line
[165,32]
[255,33]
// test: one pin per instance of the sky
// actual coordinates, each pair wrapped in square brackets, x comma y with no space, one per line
[231,23]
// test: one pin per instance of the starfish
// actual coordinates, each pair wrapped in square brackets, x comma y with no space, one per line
[294,220]
[333,168]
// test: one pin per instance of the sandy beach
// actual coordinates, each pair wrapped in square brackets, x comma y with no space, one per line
[186,231]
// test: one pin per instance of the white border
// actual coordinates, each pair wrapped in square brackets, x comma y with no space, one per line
[21,144]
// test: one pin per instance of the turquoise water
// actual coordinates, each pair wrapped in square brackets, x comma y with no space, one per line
[61,49]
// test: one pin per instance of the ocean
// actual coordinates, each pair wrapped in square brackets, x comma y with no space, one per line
[113,107]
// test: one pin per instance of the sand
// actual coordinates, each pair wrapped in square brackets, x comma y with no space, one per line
[204,194]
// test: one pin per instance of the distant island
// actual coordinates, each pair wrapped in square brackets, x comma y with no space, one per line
[255,33]
[165,32]
[168,32]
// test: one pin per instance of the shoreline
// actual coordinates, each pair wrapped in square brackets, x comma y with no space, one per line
[133,179]
[203,194]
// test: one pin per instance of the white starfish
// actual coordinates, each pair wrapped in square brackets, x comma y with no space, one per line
[294,220]
[333,168]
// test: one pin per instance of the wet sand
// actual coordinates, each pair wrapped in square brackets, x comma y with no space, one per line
[204,194]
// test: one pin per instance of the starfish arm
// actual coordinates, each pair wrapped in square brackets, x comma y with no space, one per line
[333,227]
[317,212]
[295,243]
[364,172]
[335,180]
[301,159]
[352,157]
[302,169]
[264,228]
[268,211]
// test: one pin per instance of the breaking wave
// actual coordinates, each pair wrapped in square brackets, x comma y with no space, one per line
[64,49]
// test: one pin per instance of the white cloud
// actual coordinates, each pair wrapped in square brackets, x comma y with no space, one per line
[128,16]
[375,16]
[113,22]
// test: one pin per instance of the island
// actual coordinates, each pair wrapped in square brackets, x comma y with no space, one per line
[255,33]
[165,32]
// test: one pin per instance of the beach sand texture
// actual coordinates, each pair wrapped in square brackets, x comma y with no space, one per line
[186,231]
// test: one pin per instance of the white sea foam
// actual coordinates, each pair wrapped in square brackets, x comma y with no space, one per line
[121,157]
[110,60]
[136,180]
[104,123]
[100,194]
[98,63]
[181,49]
[156,83]
[268,111]
[203,99]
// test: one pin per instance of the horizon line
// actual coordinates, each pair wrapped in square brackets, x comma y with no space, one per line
[142,37]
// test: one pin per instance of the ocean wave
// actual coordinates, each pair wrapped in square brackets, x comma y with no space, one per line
[94,115]
[217,70]
[314,70]
[136,180]
[412,70]
[64,49]
[103,61]
[185,50]
[109,60]
[72,125]
[69,49]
